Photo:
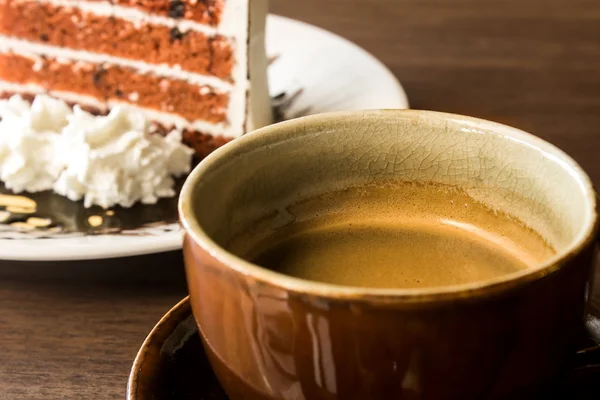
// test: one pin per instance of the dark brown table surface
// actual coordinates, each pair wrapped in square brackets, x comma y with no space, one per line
[71,330]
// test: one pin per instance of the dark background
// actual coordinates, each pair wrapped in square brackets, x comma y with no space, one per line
[71,330]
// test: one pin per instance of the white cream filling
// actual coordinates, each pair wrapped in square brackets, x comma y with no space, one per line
[250,102]
[163,118]
[104,160]
[237,11]
[138,17]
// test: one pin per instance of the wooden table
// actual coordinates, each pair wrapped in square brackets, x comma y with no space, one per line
[71,331]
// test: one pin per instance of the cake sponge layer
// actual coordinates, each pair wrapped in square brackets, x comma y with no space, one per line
[106,83]
[153,43]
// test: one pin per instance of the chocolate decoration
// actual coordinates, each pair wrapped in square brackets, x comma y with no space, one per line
[176,34]
[176,9]
[54,214]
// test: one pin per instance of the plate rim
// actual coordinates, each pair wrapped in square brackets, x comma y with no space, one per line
[403,102]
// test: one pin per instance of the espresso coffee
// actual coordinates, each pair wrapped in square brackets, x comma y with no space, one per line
[393,235]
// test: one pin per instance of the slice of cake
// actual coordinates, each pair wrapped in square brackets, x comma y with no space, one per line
[195,65]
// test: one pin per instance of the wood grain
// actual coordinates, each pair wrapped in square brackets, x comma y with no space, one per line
[71,330]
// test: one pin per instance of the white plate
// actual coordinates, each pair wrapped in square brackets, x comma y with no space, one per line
[314,71]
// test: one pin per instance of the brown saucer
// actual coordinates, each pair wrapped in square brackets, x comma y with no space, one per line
[171,364]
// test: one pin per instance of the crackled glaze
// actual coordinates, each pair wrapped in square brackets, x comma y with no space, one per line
[375,145]
[271,336]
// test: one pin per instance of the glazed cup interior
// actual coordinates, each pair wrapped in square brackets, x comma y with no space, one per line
[265,171]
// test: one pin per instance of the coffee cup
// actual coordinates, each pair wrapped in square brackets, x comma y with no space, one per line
[273,336]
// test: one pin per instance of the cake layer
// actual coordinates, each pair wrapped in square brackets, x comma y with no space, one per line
[203,11]
[202,143]
[150,42]
[107,83]
[23,47]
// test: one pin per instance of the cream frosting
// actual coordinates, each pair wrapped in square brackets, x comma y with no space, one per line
[104,160]
[29,142]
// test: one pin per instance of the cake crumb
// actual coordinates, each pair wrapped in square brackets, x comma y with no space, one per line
[38,65]
[164,85]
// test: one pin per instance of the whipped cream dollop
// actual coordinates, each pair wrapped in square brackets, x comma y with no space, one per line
[104,160]
[28,142]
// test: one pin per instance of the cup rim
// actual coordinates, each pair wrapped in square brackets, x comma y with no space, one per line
[280,131]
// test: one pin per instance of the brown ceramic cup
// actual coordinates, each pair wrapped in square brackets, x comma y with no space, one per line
[271,336]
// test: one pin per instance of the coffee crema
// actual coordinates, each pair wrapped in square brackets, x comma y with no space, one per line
[393,235]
